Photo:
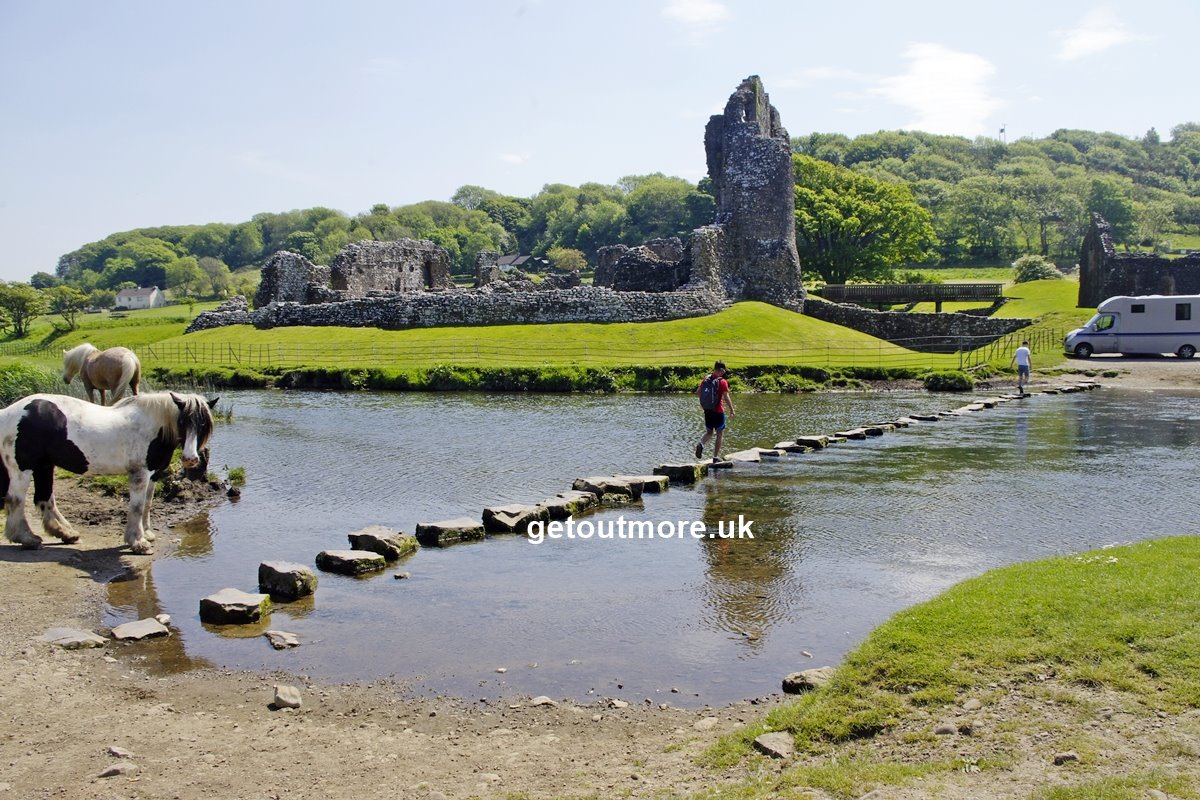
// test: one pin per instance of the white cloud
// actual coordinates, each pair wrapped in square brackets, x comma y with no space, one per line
[514,158]
[947,90]
[1100,30]
[700,18]
[698,13]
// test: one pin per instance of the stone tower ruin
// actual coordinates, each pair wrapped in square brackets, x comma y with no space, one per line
[750,164]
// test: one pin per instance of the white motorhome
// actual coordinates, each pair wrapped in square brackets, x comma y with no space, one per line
[1150,324]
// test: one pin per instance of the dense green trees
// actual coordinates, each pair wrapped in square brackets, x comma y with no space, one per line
[850,225]
[991,201]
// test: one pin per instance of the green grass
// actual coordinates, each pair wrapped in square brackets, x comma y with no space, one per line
[744,334]
[1126,787]
[1120,618]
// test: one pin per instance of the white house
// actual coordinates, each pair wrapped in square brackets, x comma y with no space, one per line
[140,298]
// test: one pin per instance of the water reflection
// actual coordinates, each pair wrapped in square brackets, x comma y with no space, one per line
[843,537]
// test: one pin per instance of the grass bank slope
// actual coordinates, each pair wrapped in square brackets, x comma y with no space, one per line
[1082,653]
[745,334]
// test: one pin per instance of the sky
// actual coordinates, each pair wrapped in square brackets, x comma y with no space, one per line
[131,114]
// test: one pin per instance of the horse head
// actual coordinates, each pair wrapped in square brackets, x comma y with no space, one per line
[194,424]
[73,360]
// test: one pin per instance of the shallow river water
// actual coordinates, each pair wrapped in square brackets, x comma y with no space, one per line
[843,538]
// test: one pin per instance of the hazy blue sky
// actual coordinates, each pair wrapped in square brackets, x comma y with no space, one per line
[120,115]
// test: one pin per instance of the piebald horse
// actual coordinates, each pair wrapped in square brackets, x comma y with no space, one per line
[104,370]
[136,437]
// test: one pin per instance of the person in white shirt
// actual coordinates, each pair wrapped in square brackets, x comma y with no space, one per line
[1021,357]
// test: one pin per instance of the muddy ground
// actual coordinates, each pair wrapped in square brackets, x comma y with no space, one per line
[71,717]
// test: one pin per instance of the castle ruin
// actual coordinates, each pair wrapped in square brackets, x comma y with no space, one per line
[1105,273]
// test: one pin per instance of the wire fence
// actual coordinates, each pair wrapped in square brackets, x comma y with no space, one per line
[965,352]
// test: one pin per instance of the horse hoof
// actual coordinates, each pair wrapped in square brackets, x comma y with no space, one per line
[31,544]
[150,536]
[142,548]
[69,538]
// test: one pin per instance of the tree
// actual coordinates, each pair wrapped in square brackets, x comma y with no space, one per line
[68,302]
[981,210]
[566,259]
[852,226]
[218,275]
[102,298]
[184,276]
[1110,198]
[23,303]
[44,280]
[245,245]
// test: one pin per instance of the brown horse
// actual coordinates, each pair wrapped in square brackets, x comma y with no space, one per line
[104,370]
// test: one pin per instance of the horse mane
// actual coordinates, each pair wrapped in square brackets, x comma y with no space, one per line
[73,359]
[161,407]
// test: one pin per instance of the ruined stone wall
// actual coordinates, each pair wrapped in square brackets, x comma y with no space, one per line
[406,265]
[477,307]
[1105,273]
[925,332]
[287,277]
[659,265]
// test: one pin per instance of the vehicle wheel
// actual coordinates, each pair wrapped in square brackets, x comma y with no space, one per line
[1083,350]
[1187,351]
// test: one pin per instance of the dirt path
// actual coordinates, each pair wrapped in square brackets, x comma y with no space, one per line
[71,715]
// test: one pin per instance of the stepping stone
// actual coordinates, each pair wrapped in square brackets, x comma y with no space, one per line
[770,452]
[720,465]
[652,484]
[873,430]
[450,531]
[234,607]
[833,439]
[885,427]
[853,433]
[815,442]
[904,422]
[513,518]
[387,542]
[791,447]
[748,456]
[609,488]
[71,639]
[925,417]
[350,562]
[282,640]
[141,629]
[682,473]
[568,504]
[286,580]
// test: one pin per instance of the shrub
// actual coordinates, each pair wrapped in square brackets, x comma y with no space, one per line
[19,380]
[950,380]
[1034,268]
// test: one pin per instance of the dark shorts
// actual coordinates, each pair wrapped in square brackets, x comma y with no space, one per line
[714,420]
[1022,369]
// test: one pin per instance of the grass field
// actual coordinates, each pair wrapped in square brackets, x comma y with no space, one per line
[745,334]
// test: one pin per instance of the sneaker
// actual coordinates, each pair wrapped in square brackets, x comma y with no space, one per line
[717,459]
[699,451]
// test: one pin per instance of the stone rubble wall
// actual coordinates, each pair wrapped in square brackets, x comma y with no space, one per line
[477,307]
[1105,273]
[287,278]
[933,333]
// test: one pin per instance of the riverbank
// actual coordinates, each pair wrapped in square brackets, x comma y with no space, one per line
[210,732]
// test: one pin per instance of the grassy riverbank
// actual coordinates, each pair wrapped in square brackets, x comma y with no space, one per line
[1024,662]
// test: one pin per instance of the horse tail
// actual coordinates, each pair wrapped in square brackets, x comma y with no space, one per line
[132,374]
